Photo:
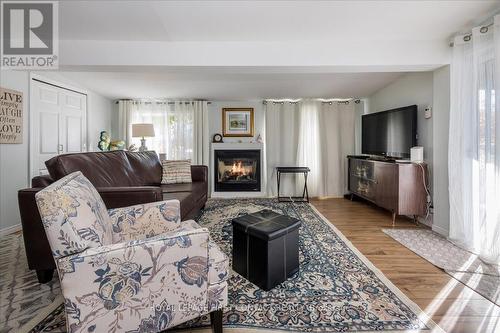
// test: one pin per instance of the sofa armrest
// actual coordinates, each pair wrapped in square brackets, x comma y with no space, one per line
[145,220]
[41,181]
[199,173]
[115,197]
[166,274]
[35,240]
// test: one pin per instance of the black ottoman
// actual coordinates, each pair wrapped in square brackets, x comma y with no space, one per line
[266,247]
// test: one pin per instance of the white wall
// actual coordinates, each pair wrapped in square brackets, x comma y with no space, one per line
[410,89]
[14,158]
[426,89]
[441,116]
[215,118]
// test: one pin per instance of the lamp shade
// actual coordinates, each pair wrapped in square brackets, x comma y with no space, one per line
[143,130]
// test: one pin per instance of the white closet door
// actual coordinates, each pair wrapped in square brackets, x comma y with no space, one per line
[58,118]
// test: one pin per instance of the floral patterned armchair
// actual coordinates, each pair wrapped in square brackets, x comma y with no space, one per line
[132,269]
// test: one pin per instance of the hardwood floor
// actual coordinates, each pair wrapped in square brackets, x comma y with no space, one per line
[453,306]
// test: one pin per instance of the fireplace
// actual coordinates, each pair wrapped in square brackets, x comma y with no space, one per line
[237,170]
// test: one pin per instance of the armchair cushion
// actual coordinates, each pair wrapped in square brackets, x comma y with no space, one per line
[144,221]
[138,286]
[73,215]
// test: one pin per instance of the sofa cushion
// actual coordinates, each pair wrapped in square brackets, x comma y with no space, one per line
[146,166]
[73,215]
[190,187]
[103,169]
[197,189]
[187,200]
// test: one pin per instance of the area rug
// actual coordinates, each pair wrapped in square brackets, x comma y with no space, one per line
[21,296]
[461,264]
[336,290]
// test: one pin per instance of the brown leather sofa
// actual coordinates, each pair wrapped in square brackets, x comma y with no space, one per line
[122,179]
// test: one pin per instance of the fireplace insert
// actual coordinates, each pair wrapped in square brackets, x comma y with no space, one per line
[237,170]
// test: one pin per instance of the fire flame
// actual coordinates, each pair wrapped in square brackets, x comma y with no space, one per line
[238,168]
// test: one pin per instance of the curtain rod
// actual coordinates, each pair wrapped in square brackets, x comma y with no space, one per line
[467,37]
[160,102]
[357,101]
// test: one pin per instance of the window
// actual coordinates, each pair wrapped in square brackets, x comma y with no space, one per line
[173,124]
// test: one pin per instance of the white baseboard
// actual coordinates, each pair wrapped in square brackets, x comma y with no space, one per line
[441,231]
[11,229]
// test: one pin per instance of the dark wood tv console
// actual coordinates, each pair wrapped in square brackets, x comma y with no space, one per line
[398,187]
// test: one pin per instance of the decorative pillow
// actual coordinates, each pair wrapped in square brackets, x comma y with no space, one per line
[175,172]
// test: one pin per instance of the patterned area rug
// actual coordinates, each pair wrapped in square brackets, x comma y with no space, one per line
[336,290]
[461,264]
[21,296]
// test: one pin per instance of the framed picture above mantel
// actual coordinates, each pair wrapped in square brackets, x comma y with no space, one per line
[237,122]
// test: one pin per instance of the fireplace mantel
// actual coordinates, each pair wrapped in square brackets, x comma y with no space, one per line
[238,146]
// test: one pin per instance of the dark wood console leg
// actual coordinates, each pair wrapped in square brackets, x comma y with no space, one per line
[44,275]
[393,218]
[216,321]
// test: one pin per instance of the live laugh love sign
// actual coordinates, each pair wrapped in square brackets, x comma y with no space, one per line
[11,116]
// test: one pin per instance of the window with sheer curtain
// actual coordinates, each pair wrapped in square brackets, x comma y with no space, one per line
[474,155]
[173,125]
[180,127]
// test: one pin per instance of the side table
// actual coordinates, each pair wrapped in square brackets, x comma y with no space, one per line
[305,193]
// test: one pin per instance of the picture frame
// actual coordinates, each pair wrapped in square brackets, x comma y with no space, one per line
[238,122]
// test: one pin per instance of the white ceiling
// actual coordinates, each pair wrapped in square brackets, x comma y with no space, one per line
[334,21]
[207,84]
[236,50]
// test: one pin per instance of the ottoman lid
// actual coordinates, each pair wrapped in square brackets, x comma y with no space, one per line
[266,224]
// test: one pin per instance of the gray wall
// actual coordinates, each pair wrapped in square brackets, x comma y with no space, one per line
[14,158]
[425,89]
[441,116]
[411,88]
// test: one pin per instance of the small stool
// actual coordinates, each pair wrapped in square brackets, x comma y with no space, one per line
[266,247]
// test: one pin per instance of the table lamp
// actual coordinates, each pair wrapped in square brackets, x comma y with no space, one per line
[143,131]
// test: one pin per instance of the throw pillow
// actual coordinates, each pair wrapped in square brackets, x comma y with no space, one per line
[175,172]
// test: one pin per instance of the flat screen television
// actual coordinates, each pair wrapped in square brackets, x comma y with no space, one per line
[390,133]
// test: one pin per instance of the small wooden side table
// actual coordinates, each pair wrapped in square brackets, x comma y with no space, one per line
[305,193]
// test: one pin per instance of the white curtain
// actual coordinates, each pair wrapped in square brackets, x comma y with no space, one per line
[181,128]
[310,133]
[201,145]
[124,129]
[337,130]
[281,138]
[474,156]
